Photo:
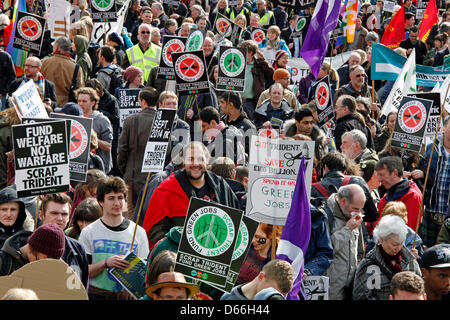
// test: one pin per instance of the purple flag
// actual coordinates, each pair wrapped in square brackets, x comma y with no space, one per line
[296,232]
[323,22]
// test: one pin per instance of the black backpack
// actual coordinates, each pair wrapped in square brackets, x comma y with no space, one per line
[116,77]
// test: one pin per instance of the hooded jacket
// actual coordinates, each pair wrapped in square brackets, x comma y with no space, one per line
[266,111]
[170,201]
[23,222]
[11,257]
[407,192]
[83,59]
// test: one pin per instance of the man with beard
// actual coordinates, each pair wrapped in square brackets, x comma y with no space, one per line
[413,42]
[170,201]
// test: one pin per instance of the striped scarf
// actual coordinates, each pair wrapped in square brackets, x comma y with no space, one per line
[40,82]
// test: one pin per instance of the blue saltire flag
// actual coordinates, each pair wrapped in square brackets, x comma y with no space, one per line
[296,232]
[387,65]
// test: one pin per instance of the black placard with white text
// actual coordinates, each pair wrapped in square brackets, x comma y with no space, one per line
[232,63]
[170,44]
[411,122]
[207,243]
[158,141]
[41,159]
[29,32]
[191,73]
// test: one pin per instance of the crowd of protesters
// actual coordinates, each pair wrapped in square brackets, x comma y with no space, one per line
[367,196]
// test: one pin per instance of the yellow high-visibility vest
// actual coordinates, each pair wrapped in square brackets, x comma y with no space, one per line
[265,19]
[144,60]
[232,16]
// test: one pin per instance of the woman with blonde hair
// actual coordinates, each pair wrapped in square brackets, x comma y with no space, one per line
[274,41]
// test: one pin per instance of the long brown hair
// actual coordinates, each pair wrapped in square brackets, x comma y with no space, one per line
[11,116]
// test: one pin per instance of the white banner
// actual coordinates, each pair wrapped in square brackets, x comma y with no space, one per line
[28,103]
[300,68]
[58,17]
[273,170]
[105,28]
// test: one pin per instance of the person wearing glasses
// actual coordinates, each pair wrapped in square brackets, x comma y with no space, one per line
[32,71]
[145,54]
[347,119]
[260,252]
[358,87]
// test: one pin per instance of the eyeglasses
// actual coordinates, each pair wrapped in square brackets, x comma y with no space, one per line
[145,32]
[360,75]
[30,66]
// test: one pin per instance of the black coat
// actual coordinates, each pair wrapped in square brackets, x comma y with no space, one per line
[49,93]
[347,123]
[7,72]
[75,256]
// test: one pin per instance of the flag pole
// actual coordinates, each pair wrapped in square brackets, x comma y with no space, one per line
[373,98]
[274,241]
[428,168]
[36,216]
[139,211]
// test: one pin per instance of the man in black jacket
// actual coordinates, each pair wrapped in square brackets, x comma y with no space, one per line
[56,209]
[32,70]
[230,104]
[348,119]
[413,42]
[221,139]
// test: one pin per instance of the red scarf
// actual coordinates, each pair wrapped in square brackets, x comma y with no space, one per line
[63,53]
[394,262]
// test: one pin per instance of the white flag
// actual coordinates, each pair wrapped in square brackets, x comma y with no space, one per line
[405,84]
[58,18]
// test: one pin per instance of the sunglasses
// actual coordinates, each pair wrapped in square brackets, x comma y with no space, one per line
[145,32]
[262,240]
[360,75]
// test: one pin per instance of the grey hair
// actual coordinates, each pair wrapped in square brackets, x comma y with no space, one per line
[158,5]
[391,225]
[64,43]
[372,36]
[348,191]
[357,136]
[144,25]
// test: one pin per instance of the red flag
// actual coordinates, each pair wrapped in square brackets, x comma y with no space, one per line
[430,18]
[395,31]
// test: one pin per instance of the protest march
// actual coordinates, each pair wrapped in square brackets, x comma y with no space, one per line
[224,150]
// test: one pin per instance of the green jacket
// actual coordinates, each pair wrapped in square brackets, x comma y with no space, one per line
[83,59]
[444,234]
